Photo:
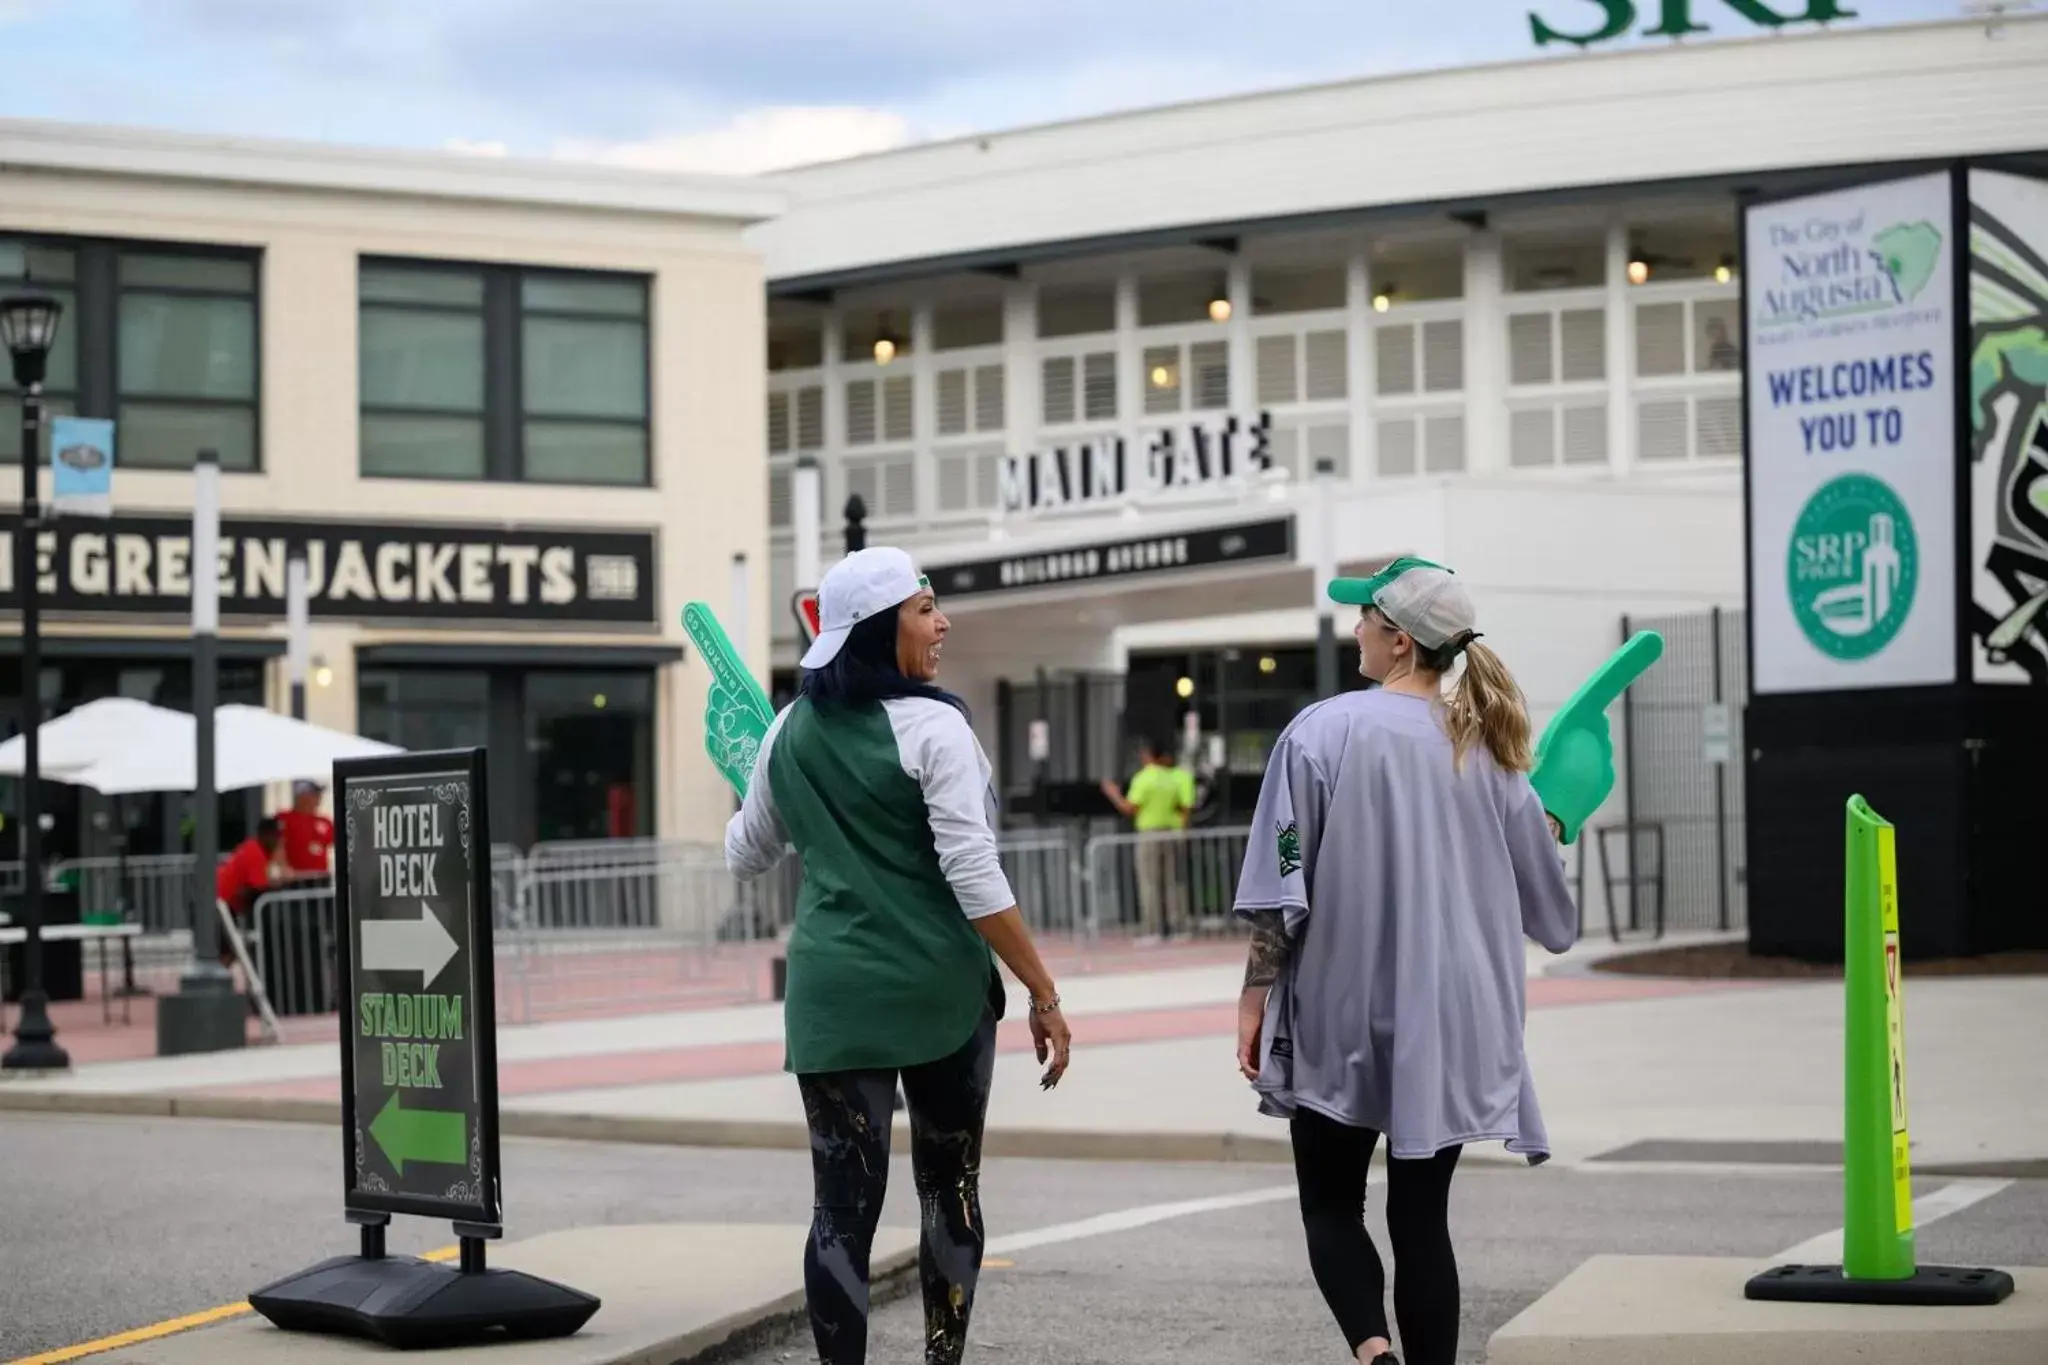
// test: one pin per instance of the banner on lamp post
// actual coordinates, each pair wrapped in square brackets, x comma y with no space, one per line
[82,466]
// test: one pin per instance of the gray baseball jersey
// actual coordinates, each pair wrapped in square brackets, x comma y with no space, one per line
[1406,890]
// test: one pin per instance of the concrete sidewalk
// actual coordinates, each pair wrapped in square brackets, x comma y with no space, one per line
[1628,1069]
[670,1294]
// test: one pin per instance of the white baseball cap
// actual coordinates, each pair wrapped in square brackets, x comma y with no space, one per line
[865,583]
[1422,598]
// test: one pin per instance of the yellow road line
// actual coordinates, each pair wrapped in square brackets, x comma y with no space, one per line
[141,1334]
[997,1263]
[172,1326]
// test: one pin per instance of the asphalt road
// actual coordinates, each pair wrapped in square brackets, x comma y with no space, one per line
[108,1224]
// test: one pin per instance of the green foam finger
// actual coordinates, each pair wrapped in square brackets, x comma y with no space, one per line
[1574,769]
[737,713]
[1623,667]
[727,668]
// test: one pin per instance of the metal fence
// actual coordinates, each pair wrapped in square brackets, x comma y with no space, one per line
[1683,747]
[1177,882]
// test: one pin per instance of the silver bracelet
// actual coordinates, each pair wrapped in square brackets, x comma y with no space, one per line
[1045,1006]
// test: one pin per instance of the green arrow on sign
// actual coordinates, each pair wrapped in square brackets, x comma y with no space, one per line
[435,1135]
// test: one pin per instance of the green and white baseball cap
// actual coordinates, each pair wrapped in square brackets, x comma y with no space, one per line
[877,579]
[1423,598]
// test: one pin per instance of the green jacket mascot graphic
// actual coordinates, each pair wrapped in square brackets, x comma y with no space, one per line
[2009,425]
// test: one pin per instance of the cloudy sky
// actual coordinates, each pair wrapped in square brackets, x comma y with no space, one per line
[729,85]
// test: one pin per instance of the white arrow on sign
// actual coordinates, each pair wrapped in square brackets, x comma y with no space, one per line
[408,945]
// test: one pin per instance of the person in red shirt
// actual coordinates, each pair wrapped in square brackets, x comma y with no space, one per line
[246,875]
[308,835]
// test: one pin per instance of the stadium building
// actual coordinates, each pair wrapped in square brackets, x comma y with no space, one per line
[1119,383]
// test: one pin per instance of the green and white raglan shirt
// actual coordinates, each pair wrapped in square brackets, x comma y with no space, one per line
[892,810]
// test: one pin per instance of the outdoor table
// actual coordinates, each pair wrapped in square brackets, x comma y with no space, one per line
[11,934]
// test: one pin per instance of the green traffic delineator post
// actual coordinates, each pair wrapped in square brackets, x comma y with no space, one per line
[1877,1189]
[437,1135]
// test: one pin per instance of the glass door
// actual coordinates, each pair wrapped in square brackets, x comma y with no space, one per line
[591,738]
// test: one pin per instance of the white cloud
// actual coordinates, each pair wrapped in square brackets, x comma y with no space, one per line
[754,141]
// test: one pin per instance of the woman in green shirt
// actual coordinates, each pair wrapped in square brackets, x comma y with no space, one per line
[874,776]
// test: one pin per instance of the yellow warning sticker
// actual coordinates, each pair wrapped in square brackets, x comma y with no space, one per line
[1895,1026]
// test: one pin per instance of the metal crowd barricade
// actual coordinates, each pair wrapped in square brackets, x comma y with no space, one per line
[294,939]
[153,890]
[1044,870]
[1177,881]
[150,890]
[627,927]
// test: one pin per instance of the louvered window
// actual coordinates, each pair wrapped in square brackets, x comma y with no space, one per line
[1433,443]
[1296,449]
[1660,340]
[1718,422]
[1075,388]
[779,500]
[967,478]
[796,419]
[1434,351]
[1295,368]
[1397,443]
[1443,444]
[1563,347]
[886,483]
[1209,361]
[969,399]
[1163,380]
[879,410]
[1098,386]
[1324,367]
[861,416]
[1661,429]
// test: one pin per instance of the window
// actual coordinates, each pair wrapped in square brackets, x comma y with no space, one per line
[1202,383]
[503,374]
[186,360]
[578,743]
[161,339]
[1301,368]
[1434,354]
[1078,388]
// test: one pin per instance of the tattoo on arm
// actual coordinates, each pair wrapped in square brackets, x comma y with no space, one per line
[1268,950]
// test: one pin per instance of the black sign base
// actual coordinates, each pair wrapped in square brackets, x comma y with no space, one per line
[410,1304]
[1941,1286]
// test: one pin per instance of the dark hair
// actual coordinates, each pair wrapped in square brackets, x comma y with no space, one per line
[865,673]
[1152,745]
[269,827]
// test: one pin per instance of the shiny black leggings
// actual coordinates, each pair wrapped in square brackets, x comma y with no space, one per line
[849,1116]
[1330,1161]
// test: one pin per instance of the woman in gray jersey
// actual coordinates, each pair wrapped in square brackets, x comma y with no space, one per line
[1398,857]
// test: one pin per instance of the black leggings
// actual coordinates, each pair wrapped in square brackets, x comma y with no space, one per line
[849,1116]
[1330,1161]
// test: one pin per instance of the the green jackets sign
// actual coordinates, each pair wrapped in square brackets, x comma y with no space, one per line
[1677,18]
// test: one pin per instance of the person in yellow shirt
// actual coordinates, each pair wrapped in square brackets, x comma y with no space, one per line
[1158,802]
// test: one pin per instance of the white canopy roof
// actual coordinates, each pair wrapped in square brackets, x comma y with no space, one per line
[117,745]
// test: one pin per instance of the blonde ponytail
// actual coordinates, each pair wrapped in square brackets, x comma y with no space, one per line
[1486,706]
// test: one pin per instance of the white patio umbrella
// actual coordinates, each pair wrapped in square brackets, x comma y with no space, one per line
[252,747]
[99,729]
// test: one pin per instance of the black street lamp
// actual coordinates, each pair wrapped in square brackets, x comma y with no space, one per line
[856,524]
[28,328]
